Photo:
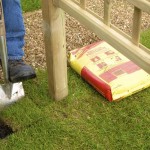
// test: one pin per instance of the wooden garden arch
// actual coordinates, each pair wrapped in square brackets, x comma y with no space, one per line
[55,41]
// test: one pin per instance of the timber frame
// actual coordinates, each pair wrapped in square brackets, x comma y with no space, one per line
[55,42]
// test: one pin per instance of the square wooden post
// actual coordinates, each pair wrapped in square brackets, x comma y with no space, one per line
[137,21]
[107,11]
[55,46]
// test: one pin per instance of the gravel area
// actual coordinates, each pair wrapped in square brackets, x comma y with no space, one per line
[77,35]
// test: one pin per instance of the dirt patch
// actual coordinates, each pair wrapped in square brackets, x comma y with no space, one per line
[5,130]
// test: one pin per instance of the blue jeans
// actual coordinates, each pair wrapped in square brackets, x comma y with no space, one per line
[15,30]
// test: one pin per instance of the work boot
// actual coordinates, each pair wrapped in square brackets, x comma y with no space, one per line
[19,71]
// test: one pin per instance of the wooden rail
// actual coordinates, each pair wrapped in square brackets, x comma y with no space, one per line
[54,30]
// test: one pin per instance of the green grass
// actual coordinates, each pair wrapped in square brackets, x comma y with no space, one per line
[30,5]
[145,38]
[82,121]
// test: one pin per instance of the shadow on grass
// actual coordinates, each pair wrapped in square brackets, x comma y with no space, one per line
[5,129]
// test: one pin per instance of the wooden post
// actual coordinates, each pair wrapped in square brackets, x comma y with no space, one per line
[107,11]
[137,19]
[83,4]
[124,45]
[144,5]
[55,46]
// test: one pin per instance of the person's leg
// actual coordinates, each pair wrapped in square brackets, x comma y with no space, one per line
[15,32]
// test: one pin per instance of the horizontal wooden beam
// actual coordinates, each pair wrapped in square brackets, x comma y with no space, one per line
[144,5]
[118,41]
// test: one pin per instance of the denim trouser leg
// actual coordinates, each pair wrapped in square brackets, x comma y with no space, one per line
[15,30]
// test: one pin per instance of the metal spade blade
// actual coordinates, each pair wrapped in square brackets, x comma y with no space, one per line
[10,93]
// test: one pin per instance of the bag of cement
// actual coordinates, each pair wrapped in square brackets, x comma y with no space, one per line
[108,71]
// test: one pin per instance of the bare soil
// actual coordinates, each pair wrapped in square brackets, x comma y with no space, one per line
[5,130]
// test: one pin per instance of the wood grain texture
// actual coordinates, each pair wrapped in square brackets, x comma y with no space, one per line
[55,46]
[114,38]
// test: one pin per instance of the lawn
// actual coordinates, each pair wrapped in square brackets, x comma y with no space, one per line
[83,121]
[30,5]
